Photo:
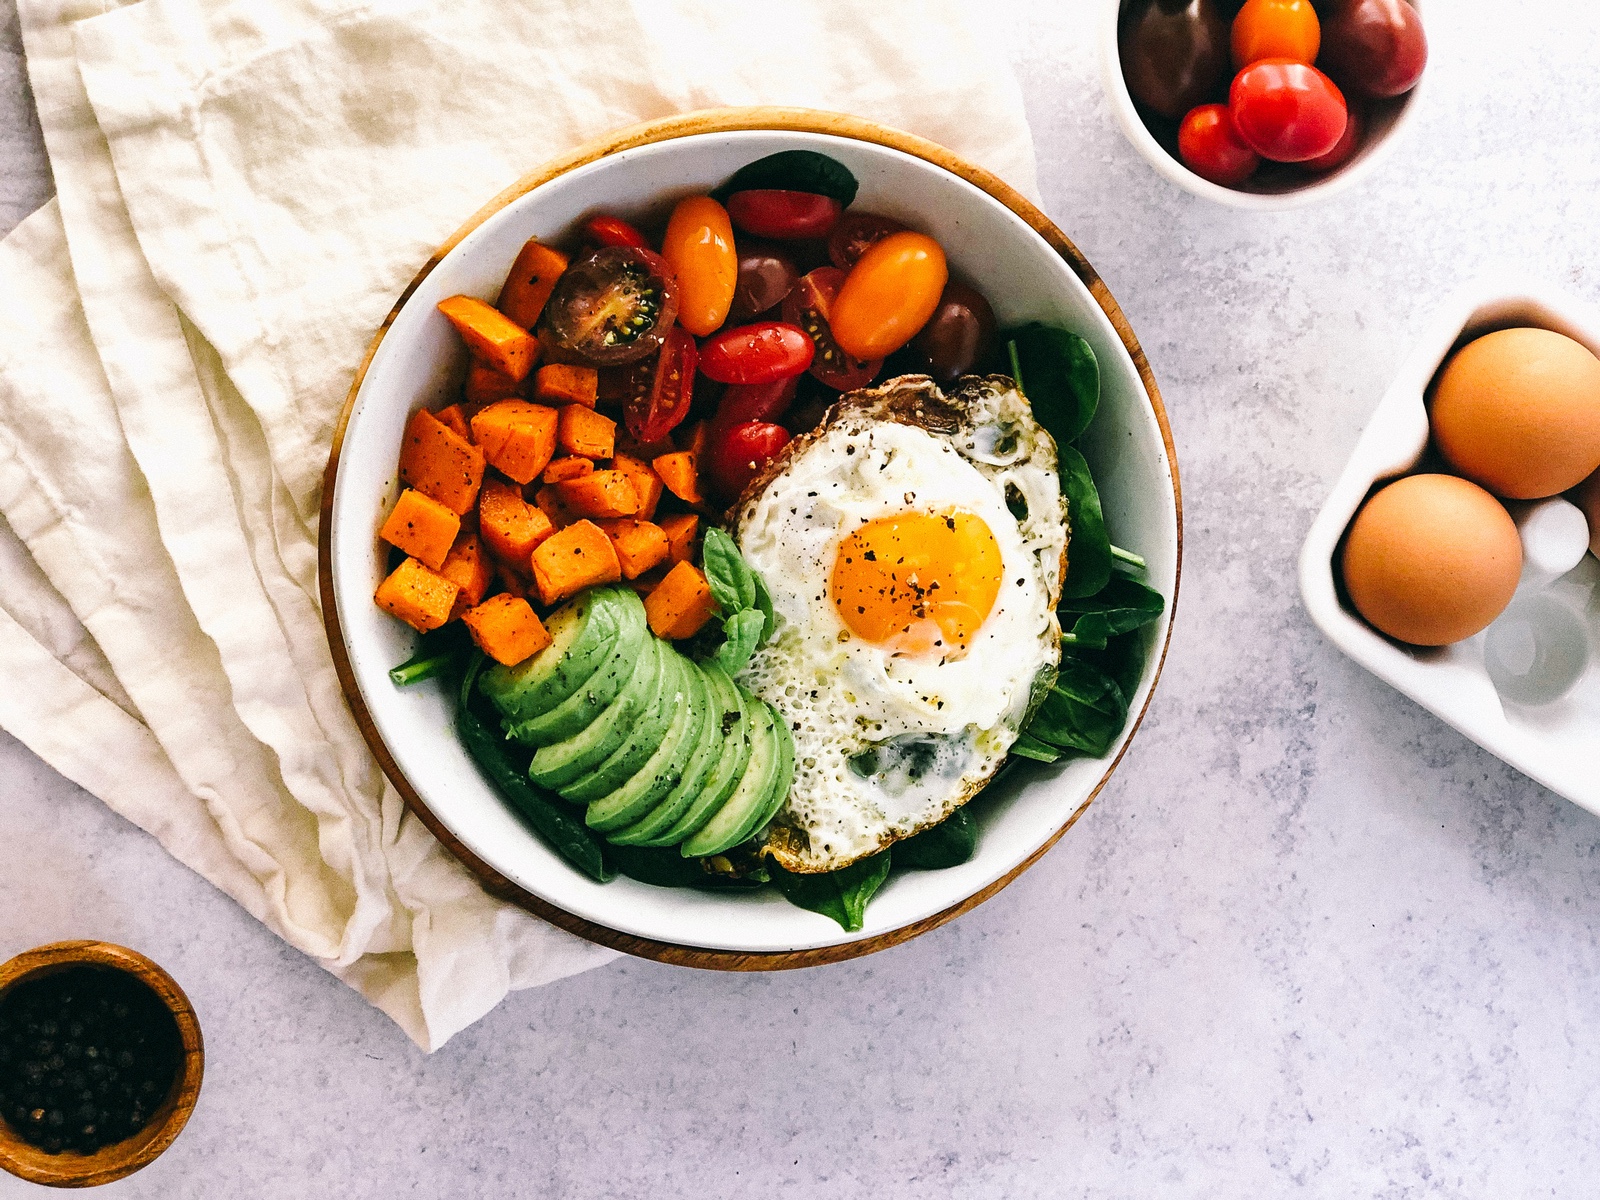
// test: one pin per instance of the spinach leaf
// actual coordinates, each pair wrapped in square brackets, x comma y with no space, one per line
[666,867]
[1089,551]
[1059,376]
[743,633]
[1122,659]
[439,652]
[1029,746]
[733,584]
[841,894]
[1122,606]
[1085,710]
[948,844]
[793,171]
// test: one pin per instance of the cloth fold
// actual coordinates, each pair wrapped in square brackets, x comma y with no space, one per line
[244,186]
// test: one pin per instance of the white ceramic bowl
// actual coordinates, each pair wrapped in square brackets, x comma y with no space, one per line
[1554,743]
[419,361]
[1388,119]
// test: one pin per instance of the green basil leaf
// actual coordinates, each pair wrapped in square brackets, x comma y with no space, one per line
[1089,551]
[1060,377]
[733,584]
[1122,606]
[841,894]
[764,603]
[743,634]
[948,844]
[794,171]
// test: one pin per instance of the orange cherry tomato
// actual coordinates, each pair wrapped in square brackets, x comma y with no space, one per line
[699,249]
[1276,29]
[889,295]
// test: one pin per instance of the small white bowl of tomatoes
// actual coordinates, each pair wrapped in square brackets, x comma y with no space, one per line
[1263,104]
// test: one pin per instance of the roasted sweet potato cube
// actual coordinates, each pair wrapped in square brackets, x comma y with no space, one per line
[491,336]
[468,567]
[439,462]
[518,438]
[579,556]
[506,629]
[645,481]
[562,469]
[509,525]
[453,419]
[599,494]
[421,598]
[680,529]
[531,280]
[422,527]
[640,545]
[548,498]
[680,473]
[485,385]
[680,604]
[562,383]
[586,432]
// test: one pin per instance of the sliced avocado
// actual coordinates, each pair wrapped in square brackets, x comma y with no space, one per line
[581,632]
[707,746]
[781,782]
[578,711]
[643,739]
[561,762]
[732,733]
[744,804]
[665,767]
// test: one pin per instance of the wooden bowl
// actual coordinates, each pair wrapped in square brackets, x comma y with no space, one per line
[996,238]
[72,1170]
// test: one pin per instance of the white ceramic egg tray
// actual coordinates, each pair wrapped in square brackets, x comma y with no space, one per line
[1546,645]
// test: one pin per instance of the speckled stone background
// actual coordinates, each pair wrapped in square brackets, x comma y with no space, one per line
[1309,941]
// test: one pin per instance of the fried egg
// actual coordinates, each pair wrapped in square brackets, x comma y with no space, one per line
[914,545]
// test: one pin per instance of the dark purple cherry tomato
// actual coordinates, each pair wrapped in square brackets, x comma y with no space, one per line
[604,230]
[736,453]
[766,275]
[768,212]
[1211,147]
[808,306]
[856,231]
[1287,111]
[756,401]
[1373,47]
[958,335]
[1347,146]
[1174,52]
[660,399]
[612,306]
[759,353]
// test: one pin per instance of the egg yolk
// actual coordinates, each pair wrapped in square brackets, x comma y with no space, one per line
[918,583]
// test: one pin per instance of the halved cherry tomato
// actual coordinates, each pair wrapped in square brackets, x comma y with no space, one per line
[766,275]
[889,295]
[699,248]
[1276,29]
[856,231]
[768,212]
[1347,146]
[661,398]
[605,230]
[1374,47]
[756,402]
[759,353]
[612,306]
[735,454]
[1212,148]
[808,306]
[1287,111]
[958,335]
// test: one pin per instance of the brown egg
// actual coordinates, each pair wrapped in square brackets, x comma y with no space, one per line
[1519,412]
[1432,559]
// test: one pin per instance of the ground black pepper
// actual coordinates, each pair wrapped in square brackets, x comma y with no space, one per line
[87,1055]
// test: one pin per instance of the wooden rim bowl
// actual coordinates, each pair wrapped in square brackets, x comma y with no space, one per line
[70,1169]
[736,121]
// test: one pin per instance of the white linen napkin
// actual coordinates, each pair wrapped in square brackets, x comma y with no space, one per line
[244,188]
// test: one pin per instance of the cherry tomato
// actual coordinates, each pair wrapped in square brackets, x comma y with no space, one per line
[1174,52]
[889,295]
[736,453]
[1347,146]
[856,231]
[808,306]
[661,398]
[612,306]
[1211,147]
[699,248]
[1374,47]
[957,336]
[605,230]
[1287,111]
[759,353]
[1276,29]
[756,401]
[766,275]
[768,212]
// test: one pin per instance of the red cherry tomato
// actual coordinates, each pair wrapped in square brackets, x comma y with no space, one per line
[889,295]
[612,306]
[759,353]
[1287,111]
[854,233]
[768,212]
[1276,29]
[660,398]
[735,454]
[756,402]
[958,335]
[699,247]
[767,274]
[1348,144]
[808,306]
[1211,147]
[605,230]
[1374,47]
